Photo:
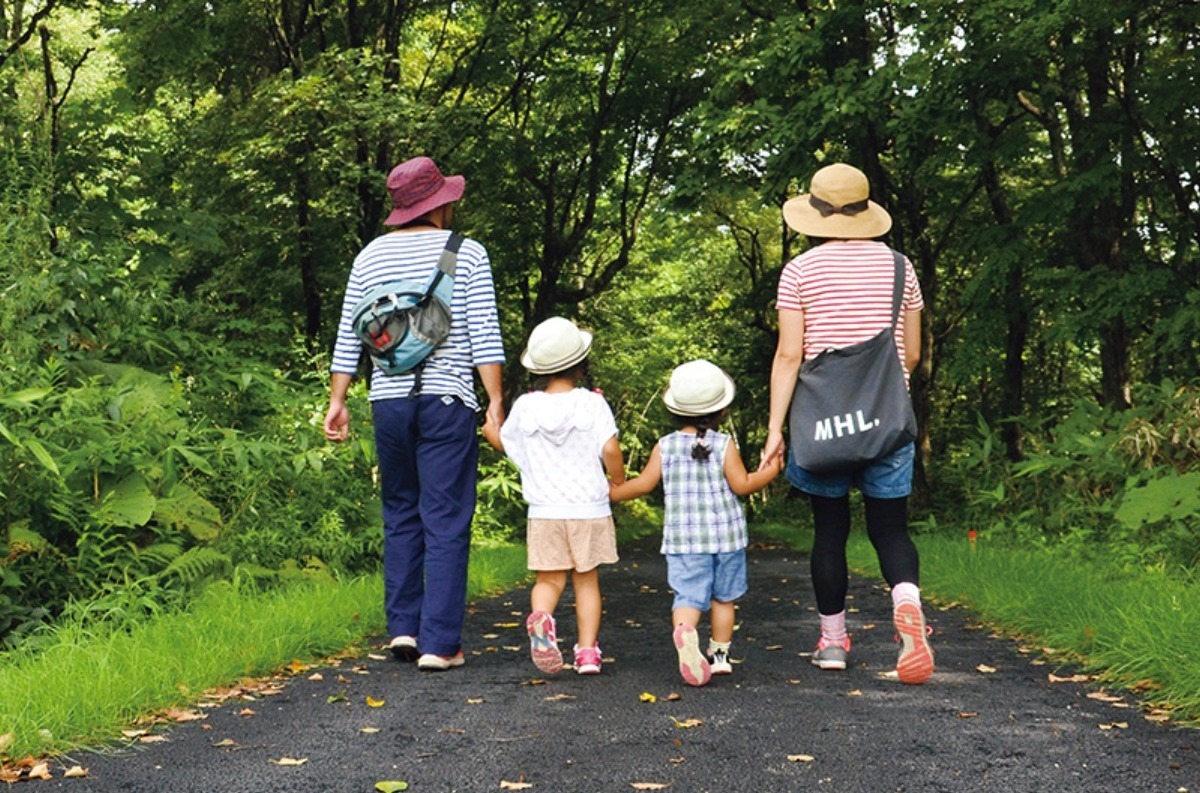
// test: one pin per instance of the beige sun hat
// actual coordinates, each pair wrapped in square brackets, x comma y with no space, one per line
[555,345]
[837,206]
[698,388]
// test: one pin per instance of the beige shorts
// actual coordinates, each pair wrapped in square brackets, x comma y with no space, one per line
[579,544]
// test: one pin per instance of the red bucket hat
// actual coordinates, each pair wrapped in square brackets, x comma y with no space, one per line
[417,186]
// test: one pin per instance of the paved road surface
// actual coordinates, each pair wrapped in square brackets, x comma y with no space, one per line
[777,724]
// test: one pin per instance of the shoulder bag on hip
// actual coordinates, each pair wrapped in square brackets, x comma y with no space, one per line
[851,405]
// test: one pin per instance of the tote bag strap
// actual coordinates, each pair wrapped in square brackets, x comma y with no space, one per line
[898,288]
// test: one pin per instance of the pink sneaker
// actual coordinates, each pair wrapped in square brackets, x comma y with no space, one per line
[543,643]
[693,666]
[588,660]
[915,664]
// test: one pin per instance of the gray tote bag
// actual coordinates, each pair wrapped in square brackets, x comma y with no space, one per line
[851,406]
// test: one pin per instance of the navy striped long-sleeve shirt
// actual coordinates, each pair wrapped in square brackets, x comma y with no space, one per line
[474,338]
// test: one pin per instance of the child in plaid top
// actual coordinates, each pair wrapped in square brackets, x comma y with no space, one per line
[704,527]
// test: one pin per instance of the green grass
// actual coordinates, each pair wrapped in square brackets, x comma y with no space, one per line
[81,687]
[1135,630]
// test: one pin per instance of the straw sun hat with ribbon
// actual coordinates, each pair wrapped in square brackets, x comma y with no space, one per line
[837,206]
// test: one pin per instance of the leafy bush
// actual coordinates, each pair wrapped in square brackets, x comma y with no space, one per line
[1100,483]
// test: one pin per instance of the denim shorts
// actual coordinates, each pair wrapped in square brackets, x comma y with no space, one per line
[890,477]
[699,578]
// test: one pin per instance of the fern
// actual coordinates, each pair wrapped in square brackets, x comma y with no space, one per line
[198,564]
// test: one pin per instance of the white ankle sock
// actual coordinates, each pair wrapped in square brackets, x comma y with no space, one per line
[906,592]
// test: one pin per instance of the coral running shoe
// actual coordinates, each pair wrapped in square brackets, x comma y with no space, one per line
[831,655]
[915,663]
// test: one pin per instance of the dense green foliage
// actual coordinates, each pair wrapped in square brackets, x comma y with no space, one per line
[183,185]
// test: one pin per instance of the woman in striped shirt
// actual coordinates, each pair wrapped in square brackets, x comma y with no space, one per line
[839,293]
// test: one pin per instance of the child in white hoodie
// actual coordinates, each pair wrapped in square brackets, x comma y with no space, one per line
[563,439]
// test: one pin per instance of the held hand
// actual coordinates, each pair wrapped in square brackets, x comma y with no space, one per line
[337,422]
[493,417]
[773,452]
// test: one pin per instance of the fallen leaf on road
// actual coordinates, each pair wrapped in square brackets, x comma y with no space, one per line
[75,772]
[985,669]
[855,693]
[506,625]
[1053,678]
[133,733]
[369,730]
[451,731]
[646,696]
[153,739]
[391,786]
[475,700]
[1158,718]
[649,785]
[225,743]
[687,723]
[177,714]
[296,667]
[375,703]
[774,647]
[675,760]
[316,677]
[1119,725]
[291,761]
[506,785]
[966,714]
[673,697]
[537,681]
[1100,695]
[247,712]
[800,758]
[40,771]
[338,697]
[559,697]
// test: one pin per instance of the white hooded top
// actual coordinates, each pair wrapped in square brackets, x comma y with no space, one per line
[556,441]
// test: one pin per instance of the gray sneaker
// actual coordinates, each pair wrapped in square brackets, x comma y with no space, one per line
[831,656]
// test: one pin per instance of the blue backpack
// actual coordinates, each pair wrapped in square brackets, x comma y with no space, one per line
[401,322]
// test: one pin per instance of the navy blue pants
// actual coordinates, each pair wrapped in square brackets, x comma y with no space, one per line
[428,460]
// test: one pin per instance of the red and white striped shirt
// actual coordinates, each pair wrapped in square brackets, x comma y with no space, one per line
[844,288]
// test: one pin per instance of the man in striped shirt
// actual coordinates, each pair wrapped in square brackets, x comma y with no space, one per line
[425,426]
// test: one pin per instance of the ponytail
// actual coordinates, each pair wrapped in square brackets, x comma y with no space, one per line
[701,449]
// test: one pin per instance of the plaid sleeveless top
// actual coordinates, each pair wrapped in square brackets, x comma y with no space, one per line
[702,514]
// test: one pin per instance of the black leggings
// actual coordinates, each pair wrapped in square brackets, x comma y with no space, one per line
[887,527]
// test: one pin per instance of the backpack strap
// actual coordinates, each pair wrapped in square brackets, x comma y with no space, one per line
[447,267]
[898,288]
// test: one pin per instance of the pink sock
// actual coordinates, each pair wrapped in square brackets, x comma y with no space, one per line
[906,592]
[833,627]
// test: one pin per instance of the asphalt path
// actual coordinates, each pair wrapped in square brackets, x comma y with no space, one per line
[995,716]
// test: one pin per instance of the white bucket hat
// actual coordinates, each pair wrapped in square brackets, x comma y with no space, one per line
[555,345]
[698,388]
[837,206]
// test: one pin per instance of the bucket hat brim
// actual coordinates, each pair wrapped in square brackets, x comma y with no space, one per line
[448,193]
